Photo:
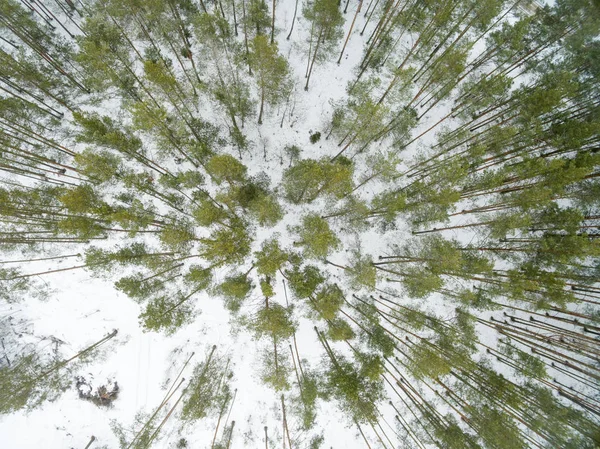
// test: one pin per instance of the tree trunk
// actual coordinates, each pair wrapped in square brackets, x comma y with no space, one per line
[273,24]
[350,30]
[293,21]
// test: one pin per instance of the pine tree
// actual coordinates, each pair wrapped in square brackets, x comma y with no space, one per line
[308,178]
[271,71]
[316,237]
[271,258]
[226,245]
[235,289]
[326,21]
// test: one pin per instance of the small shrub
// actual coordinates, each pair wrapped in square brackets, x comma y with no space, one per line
[292,152]
[315,137]
[104,394]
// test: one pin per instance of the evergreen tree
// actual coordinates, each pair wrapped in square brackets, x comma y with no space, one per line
[308,178]
[271,258]
[326,21]
[316,237]
[235,289]
[271,71]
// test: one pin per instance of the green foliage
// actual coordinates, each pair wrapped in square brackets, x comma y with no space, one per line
[207,213]
[255,199]
[82,227]
[137,288]
[208,391]
[371,366]
[177,237]
[362,272]
[265,210]
[380,340]
[309,178]
[159,73]
[189,179]
[316,442]
[316,237]
[266,288]
[242,195]
[327,301]
[363,116]
[136,216]
[452,436]
[271,71]
[199,277]
[274,321]
[99,166]
[292,152]
[308,399]
[270,258]
[14,289]
[235,289]
[99,49]
[353,213]
[258,17]
[387,205]
[303,282]
[99,260]
[420,283]
[357,394]
[427,362]
[81,199]
[226,168]
[30,378]
[510,171]
[143,423]
[102,130]
[226,245]
[21,387]
[166,314]
[325,15]
[434,257]
[339,329]
[497,428]
[529,366]
[275,369]
[475,299]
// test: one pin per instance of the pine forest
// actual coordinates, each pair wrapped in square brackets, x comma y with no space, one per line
[299,224]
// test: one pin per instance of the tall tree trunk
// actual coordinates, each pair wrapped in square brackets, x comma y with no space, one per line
[273,23]
[350,30]
[293,21]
